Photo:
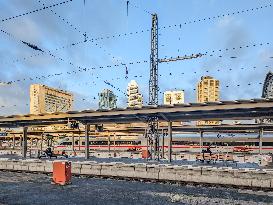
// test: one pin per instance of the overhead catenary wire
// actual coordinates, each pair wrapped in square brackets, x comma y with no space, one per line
[81,69]
[36,10]
[231,57]
[65,20]
[85,35]
[92,40]
[212,53]
[199,20]
[134,5]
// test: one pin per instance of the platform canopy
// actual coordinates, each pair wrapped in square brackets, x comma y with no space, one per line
[223,110]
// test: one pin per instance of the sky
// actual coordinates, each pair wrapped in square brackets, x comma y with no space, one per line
[239,48]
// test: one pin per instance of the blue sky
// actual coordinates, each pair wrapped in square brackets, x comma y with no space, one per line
[102,18]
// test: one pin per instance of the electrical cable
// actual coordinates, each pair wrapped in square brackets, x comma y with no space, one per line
[134,5]
[36,10]
[168,26]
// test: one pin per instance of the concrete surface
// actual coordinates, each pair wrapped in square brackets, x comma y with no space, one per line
[248,177]
[36,189]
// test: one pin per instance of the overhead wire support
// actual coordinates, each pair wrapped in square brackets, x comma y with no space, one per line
[153,136]
[178,58]
[153,82]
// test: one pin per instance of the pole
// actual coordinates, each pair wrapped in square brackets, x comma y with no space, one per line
[13,141]
[79,140]
[163,144]
[153,82]
[20,139]
[157,144]
[73,142]
[260,140]
[114,144]
[108,141]
[201,141]
[154,147]
[170,140]
[147,142]
[24,144]
[87,128]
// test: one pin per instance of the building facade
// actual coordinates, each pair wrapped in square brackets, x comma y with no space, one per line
[107,99]
[173,97]
[44,99]
[135,99]
[208,90]
[268,86]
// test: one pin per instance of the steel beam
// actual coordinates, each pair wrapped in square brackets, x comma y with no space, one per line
[163,144]
[87,128]
[42,140]
[73,142]
[201,140]
[13,141]
[24,142]
[260,140]
[170,134]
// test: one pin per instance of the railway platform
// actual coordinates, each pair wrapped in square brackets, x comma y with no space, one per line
[254,177]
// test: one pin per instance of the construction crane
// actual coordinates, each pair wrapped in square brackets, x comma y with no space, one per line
[152,134]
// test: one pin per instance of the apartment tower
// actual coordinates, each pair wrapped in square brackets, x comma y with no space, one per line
[173,97]
[135,99]
[208,91]
[44,99]
[107,99]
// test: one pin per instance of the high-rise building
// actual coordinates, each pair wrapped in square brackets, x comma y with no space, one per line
[135,99]
[173,97]
[107,99]
[44,99]
[208,91]
[268,86]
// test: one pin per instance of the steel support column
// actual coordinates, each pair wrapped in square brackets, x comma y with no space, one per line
[24,143]
[108,142]
[114,144]
[201,140]
[153,82]
[163,143]
[260,140]
[87,128]
[79,140]
[13,141]
[73,142]
[170,134]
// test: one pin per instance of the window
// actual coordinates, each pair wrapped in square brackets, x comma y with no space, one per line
[66,143]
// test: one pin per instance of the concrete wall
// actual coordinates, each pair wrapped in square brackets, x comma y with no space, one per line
[248,177]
